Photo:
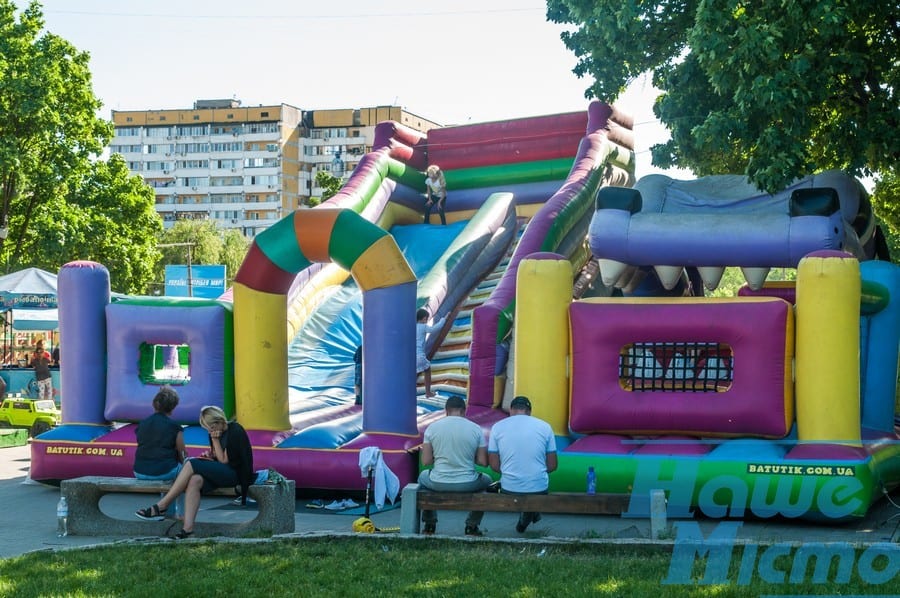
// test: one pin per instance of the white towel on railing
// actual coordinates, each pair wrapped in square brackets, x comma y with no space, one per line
[386,484]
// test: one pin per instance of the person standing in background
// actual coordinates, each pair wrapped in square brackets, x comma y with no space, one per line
[40,361]
[357,374]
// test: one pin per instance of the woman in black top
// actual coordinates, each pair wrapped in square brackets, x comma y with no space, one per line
[227,463]
[160,440]
[160,443]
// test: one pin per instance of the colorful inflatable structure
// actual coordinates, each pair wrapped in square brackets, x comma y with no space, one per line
[780,401]
[293,300]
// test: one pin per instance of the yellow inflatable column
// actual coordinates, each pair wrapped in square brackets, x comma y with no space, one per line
[543,294]
[260,347]
[827,357]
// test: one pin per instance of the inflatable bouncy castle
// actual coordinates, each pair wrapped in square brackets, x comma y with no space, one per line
[563,279]
[779,401]
[276,351]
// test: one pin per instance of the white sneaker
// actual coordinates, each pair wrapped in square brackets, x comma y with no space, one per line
[335,505]
[349,503]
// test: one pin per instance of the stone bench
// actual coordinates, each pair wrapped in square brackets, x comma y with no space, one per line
[414,500]
[275,509]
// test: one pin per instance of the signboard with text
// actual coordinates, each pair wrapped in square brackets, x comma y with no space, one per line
[207,282]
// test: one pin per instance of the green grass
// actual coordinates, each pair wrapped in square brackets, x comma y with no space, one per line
[374,566]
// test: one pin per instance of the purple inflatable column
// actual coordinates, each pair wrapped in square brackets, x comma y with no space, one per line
[389,360]
[171,357]
[83,289]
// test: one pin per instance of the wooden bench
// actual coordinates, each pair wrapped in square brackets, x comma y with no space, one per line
[275,509]
[414,500]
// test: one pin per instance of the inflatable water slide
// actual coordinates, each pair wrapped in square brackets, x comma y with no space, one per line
[779,401]
[276,352]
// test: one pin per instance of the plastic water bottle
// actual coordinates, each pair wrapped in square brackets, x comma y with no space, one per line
[62,517]
[591,480]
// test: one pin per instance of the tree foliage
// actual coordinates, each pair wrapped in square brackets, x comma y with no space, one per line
[106,216]
[209,245]
[329,184]
[886,202]
[774,89]
[57,202]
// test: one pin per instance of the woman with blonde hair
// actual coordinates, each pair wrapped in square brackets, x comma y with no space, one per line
[227,463]
[435,193]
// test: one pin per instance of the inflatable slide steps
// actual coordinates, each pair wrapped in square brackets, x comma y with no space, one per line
[450,363]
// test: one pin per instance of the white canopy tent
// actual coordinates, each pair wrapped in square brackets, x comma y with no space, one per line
[35,319]
[27,304]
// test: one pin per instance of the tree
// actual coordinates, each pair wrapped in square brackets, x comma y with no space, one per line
[234,250]
[210,245]
[106,216]
[329,183]
[886,202]
[48,125]
[772,89]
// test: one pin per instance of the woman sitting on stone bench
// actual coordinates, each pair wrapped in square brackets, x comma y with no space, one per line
[227,463]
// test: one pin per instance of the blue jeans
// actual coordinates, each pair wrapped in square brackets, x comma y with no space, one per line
[169,475]
[437,203]
[477,485]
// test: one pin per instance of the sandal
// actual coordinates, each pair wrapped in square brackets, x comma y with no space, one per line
[183,534]
[151,513]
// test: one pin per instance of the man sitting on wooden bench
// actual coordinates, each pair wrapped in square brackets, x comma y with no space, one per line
[454,445]
[523,449]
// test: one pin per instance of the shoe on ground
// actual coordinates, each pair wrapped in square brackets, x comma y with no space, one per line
[335,505]
[183,534]
[429,528]
[526,520]
[349,503]
[472,530]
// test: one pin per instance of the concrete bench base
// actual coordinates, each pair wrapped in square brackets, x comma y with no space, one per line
[415,500]
[275,515]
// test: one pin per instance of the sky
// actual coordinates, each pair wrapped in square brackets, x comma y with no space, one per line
[457,62]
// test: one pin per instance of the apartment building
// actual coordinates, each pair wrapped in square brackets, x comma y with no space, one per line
[244,167]
[335,140]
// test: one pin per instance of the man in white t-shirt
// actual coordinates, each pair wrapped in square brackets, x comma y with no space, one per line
[523,449]
[454,445]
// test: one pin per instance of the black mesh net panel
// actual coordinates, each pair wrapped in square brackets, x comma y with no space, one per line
[681,366]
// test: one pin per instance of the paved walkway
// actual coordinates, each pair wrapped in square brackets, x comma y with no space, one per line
[28,519]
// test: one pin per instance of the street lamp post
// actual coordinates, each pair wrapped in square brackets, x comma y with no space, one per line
[4,233]
[190,246]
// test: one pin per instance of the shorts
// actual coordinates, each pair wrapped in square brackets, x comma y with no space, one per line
[215,474]
[45,388]
[422,364]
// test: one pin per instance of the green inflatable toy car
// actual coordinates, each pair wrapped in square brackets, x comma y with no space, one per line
[36,415]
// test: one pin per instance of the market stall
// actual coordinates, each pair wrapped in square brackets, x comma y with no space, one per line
[28,314]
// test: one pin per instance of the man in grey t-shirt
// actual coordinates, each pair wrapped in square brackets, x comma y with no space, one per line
[454,445]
